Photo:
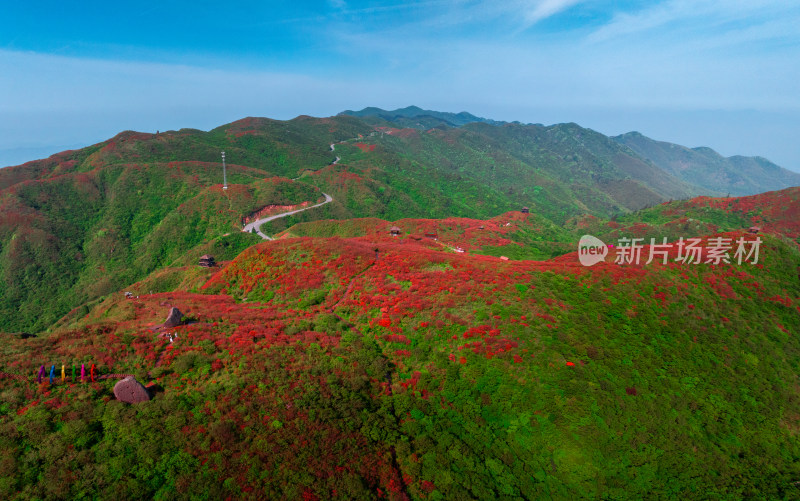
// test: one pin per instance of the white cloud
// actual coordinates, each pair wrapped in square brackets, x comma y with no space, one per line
[543,9]
[703,16]
[443,15]
[42,82]
[46,99]
[676,56]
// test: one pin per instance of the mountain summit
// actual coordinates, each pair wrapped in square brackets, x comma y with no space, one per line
[414,115]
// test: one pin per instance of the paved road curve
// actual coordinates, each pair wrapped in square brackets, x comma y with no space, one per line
[333,148]
[257,223]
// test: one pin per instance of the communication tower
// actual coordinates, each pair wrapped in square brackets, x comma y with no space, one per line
[224,173]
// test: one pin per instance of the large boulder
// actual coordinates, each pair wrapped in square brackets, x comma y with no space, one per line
[131,391]
[174,318]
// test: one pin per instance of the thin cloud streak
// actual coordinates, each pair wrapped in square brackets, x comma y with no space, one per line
[707,15]
[448,14]
[38,82]
[546,8]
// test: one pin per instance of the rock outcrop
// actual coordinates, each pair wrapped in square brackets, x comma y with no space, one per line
[131,391]
[174,318]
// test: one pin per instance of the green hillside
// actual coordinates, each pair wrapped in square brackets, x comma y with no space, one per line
[71,238]
[560,171]
[315,370]
[82,224]
[468,355]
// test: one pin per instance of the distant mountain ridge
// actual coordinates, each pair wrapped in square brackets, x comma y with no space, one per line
[701,167]
[405,116]
[704,167]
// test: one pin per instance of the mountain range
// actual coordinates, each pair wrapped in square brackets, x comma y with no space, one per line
[83,223]
[702,167]
[423,329]
[736,175]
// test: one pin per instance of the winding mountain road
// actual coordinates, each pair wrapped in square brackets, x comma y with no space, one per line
[258,222]
[333,148]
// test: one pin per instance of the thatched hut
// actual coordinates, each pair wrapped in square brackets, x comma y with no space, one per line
[207,261]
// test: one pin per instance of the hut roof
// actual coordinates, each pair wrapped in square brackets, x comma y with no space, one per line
[395,228]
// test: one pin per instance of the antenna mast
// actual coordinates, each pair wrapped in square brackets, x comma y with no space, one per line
[224,173]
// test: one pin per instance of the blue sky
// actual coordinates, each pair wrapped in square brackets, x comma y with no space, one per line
[724,73]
